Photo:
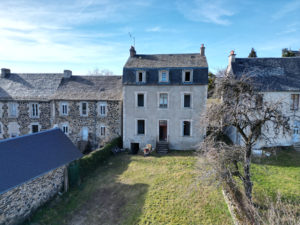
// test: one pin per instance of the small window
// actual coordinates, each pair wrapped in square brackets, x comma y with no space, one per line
[294,101]
[163,100]
[187,101]
[34,110]
[140,76]
[103,109]
[84,109]
[65,129]
[34,128]
[186,128]
[187,76]
[141,127]
[163,76]
[13,135]
[13,109]
[140,100]
[64,109]
[102,130]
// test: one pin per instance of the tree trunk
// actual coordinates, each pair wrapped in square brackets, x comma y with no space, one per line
[247,182]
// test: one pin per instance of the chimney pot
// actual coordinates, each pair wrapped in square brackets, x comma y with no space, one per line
[202,50]
[67,73]
[132,51]
[5,72]
[232,57]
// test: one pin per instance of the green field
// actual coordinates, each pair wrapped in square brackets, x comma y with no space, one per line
[131,189]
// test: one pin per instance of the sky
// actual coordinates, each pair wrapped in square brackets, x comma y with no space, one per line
[48,36]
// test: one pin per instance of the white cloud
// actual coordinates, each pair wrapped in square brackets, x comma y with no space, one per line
[210,11]
[154,29]
[291,6]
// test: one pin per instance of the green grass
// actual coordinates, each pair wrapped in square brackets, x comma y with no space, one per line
[278,174]
[131,189]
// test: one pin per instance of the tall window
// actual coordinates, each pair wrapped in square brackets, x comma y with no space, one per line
[85,133]
[64,109]
[140,100]
[102,130]
[84,108]
[141,127]
[34,128]
[186,128]
[65,129]
[187,101]
[13,109]
[187,76]
[140,76]
[163,100]
[34,110]
[103,109]
[294,101]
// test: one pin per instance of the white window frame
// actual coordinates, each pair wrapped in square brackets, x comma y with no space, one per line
[191,76]
[81,109]
[82,132]
[160,76]
[182,128]
[34,111]
[143,76]
[101,105]
[158,100]
[13,109]
[65,128]
[37,124]
[62,104]
[136,99]
[102,131]
[182,100]
[136,126]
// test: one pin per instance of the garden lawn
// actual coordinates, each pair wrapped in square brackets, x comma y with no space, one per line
[132,189]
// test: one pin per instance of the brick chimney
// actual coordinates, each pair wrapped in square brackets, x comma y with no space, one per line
[132,51]
[231,57]
[202,50]
[67,73]
[5,72]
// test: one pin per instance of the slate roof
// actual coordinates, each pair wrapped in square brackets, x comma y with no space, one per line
[270,74]
[166,61]
[27,157]
[44,87]
[90,88]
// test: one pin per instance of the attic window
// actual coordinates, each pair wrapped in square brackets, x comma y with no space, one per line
[187,76]
[163,76]
[140,76]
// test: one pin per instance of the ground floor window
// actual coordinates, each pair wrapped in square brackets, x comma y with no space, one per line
[102,130]
[186,128]
[141,127]
[34,128]
[65,129]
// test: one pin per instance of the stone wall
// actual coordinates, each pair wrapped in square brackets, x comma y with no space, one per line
[18,203]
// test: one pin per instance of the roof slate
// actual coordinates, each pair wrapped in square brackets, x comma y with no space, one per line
[27,157]
[270,74]
[44,87]
[166,61]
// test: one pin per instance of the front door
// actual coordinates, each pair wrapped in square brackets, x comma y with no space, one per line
[163,130]
[296,133]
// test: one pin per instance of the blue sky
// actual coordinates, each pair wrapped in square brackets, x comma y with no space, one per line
[81,35]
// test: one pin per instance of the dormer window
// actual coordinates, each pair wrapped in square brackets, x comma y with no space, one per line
[163,76]
[187,76]
[140,76]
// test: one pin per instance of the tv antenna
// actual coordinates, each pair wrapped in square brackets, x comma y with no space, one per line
[132,38]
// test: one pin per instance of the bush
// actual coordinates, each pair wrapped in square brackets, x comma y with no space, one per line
[90,162]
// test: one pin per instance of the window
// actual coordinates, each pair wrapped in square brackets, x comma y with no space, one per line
[13,109]
[140,76]
[187,101]
[34,110]
[84,109]
[103,109]
[34,128]
[163,100]
[140,100]
[294,101]
[186,128]
[141,127]
[163,76]
[0,128]
[64,109]
[259,101]
[102,130]
[65,129]
[85,133]
[187,76]
[12,135]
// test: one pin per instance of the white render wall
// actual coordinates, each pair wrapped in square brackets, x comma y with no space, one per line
[175,114]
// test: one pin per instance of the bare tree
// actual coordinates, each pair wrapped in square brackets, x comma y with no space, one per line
[97,72]
[241,109]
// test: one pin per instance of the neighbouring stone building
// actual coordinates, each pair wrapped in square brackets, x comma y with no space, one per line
[32,171]
[276,79]
[163,98]
[87,108]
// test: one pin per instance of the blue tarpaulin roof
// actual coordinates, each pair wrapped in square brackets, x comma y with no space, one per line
[26,157]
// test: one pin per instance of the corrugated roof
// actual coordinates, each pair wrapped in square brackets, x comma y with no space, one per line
[166,61]
[30,156]
[270,74]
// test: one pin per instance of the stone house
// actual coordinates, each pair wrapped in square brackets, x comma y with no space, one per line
[276,79]
[87,108]
[32,171]
[164,96]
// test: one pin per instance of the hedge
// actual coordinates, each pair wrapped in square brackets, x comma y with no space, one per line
[90,162]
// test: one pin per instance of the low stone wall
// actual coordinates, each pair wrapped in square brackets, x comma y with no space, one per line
[18,203]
